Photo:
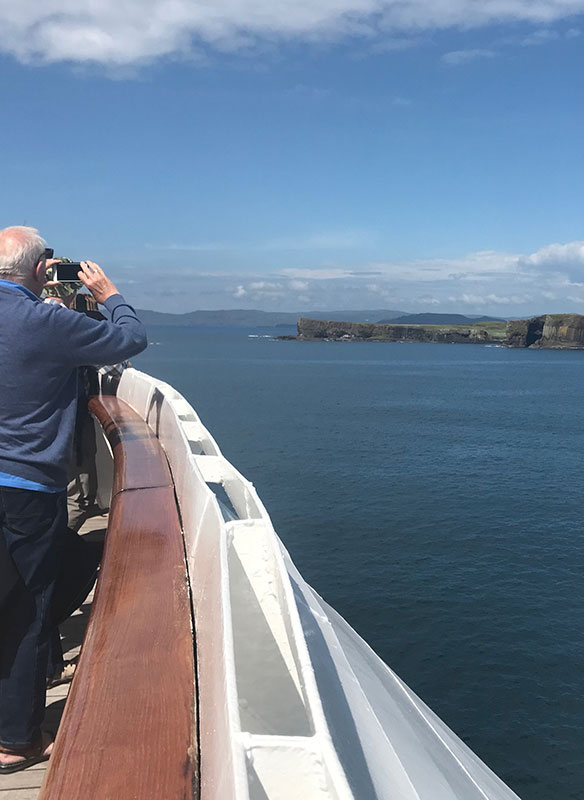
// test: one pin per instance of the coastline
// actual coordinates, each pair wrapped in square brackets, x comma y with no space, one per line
[549,331]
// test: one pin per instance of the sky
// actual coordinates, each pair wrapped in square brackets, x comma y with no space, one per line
[420,155]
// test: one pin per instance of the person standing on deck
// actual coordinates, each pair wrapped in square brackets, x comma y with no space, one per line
[41,347]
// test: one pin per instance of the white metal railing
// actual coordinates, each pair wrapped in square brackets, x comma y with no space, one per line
[292,702]
[262,725]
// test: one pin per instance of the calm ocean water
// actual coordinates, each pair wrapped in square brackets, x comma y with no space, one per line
[433,495]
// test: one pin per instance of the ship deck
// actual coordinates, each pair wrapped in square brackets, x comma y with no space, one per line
[26,785]
[134,695]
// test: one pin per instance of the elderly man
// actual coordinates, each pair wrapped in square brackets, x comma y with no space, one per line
[41,346]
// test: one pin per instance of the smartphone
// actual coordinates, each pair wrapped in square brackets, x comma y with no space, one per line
[65,272]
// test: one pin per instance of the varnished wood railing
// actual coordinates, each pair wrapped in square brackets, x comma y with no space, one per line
[128,728]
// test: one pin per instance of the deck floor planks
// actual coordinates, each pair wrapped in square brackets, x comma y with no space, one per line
[141,623]
[26,785]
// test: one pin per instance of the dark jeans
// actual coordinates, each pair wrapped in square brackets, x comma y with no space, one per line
[56,661]
[33,526]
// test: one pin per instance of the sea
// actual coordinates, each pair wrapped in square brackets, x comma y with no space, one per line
[433,494]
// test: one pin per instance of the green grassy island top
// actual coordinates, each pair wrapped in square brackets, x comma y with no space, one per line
[552,331]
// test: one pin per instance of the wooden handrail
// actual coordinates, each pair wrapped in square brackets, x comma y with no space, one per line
[128,730]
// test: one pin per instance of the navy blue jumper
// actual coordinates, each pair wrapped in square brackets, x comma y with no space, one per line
[41,346]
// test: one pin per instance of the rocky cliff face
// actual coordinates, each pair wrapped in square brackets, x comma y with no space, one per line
[363,331]
[562,331]
[524,332]
[551,331]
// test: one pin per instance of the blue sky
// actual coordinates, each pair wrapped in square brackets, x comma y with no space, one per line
[421,155]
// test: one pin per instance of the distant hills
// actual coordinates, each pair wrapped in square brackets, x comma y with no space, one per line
[253,318]
[435,319]
[244,318]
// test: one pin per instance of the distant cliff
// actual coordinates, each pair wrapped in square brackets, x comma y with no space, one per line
[524,332]
[565,331]
[551,331]
[362,331]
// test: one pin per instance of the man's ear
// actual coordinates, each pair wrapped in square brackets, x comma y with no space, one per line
[40,272]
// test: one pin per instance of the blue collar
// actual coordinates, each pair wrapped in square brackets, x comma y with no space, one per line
[18,287]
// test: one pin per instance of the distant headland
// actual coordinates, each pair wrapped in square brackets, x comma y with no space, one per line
[550,331]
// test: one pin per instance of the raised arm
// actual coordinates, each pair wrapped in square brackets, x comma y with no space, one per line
[92,342]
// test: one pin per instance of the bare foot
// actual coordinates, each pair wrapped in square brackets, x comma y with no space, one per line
[65,676]
[33,755]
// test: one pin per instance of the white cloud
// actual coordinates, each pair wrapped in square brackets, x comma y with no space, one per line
[549,279]
[299,286]
[264,286]
[329,273]
[486,280]
[135,31]
[458,57]
[484,265]
[539,37]
[265,290]
[558,255]
[492,299]
[381,290]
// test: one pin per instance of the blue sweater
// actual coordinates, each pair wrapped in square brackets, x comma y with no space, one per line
[41,346]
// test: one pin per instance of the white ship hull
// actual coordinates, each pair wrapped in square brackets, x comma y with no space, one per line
[292,703]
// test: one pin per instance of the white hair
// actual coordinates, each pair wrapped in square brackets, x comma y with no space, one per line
[21,249]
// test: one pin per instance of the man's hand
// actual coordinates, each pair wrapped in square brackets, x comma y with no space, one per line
[100,286]
[49,263]
[59,296]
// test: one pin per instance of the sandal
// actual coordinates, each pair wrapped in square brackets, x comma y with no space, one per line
[34,754]
[65,676]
